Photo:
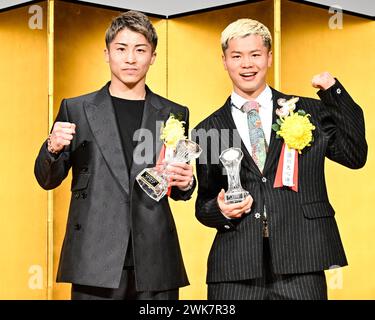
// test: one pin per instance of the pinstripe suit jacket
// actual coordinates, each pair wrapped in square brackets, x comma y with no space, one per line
[303,232]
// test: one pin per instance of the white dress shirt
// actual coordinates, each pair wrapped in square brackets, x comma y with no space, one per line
[265,113]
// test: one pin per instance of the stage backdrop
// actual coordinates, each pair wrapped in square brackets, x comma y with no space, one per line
[188,70]
[310,45]
[24,121]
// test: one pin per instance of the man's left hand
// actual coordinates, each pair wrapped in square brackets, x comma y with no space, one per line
[180,174]
[323,81]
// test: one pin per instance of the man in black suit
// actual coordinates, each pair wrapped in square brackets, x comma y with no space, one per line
[119,243]
[277,242]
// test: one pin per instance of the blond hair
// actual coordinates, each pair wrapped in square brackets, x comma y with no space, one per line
[243,28]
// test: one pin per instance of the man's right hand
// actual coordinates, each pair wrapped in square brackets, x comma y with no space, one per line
[61,135]
[234,210]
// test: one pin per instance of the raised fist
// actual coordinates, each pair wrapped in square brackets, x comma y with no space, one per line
[323,81]
[62,135]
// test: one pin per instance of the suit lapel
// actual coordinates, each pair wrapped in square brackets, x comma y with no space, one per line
[154,114]
[275,146]
[227,120]
[102,121]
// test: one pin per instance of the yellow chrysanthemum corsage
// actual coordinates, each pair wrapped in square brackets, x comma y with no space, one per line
[172,132]
[295,128]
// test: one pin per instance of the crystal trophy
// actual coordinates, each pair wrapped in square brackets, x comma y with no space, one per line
[154,181]
[231,160]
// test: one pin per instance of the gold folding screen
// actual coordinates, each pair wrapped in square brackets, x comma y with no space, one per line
[24,121]
[188,69]
[313,40]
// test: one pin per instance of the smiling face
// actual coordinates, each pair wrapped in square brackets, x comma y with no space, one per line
[247,61]
[129,56]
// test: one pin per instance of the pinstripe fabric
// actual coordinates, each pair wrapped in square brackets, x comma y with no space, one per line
[304,236]
[307,286]
[271,286]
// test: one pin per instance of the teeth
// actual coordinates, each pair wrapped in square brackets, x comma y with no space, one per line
[248,74]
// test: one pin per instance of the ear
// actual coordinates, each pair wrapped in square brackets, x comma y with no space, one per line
[153,58]
[270,58]
[106,55]
[224,61]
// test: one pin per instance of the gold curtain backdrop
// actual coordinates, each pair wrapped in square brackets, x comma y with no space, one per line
[188,70]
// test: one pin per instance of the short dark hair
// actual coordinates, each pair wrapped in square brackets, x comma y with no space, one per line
[134,21]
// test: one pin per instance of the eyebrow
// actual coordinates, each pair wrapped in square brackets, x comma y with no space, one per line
[252,51]
[137,45]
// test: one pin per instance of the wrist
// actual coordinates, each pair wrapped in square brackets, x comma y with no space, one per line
[328,85]
[50,148]
[222,212]
[189,186]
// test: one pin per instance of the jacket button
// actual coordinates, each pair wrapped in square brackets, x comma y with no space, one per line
[84,195]
[264,179]
[76,195]
[226,226]
[257,215]
[338,91]
[84,170]
[77,226]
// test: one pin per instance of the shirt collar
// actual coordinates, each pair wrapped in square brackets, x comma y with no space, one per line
[263,99]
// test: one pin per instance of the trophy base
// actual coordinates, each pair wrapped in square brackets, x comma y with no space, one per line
[152,183]
[235,196]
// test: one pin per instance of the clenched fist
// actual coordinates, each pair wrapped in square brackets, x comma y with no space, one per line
[323,81]
[62,135]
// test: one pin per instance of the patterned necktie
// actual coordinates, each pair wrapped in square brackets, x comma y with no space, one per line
[257,138]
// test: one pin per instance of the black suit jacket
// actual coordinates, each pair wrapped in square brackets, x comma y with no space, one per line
[107,203]
[303,233]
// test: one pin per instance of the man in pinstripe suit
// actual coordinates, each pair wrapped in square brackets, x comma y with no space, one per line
[276,243]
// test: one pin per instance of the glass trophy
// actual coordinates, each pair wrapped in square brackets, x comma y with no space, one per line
[154,181]
[231,160]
